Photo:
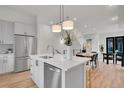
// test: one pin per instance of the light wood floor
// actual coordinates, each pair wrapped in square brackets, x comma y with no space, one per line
[105,76]
[16,80]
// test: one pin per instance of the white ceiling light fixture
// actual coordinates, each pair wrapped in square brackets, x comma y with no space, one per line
[115,18]
[57,27]
[67,24]
[85,26]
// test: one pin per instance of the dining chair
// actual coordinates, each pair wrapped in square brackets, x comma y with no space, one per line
[94,60]
[119,57]
[104,56]
[110,57]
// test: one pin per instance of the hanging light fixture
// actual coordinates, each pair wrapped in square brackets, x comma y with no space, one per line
[67,24]
[57,27]
[63,24]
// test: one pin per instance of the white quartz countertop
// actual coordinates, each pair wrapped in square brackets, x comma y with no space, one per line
[60,62]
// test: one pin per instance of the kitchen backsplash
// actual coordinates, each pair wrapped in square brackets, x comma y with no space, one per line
[4,48]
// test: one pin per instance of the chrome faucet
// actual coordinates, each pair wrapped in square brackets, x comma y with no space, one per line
[53,50]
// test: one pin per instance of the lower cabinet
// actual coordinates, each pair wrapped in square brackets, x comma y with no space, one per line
[6,63]
[36,72]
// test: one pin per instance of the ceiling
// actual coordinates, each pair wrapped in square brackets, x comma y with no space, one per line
[88,18]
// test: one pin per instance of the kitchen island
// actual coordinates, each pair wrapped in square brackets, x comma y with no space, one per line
[57,72]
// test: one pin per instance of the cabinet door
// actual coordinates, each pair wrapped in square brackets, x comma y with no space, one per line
[19,29]
[28,29]
[40,76]
[8,32]
[10,63]
[3,62]
[1,32]
[36,74]
[33,70]
[1,65]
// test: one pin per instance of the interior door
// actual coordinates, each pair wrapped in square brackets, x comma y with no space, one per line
[110,45]
[119,45]
[20,46]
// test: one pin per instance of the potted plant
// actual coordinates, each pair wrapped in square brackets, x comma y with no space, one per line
[68,43]
[101,48]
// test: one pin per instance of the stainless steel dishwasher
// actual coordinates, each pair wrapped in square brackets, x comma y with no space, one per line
[52,76]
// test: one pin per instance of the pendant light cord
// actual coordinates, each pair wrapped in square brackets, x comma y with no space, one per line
[61,19]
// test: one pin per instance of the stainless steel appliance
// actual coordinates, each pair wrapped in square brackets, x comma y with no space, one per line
[25,45]
[52,76]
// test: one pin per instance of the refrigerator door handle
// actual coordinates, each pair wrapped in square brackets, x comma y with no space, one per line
[25,45]
[28,46]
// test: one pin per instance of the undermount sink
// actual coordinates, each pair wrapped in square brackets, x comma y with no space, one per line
[46,57]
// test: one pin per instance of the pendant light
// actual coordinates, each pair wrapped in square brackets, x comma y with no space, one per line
[67,24]
[57,27]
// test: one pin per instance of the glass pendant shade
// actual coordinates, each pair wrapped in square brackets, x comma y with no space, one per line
[56,28]
[68,25]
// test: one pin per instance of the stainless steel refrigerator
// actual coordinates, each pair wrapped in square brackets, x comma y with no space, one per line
[24,47]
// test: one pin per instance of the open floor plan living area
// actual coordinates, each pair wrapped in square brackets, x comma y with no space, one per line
[61,46]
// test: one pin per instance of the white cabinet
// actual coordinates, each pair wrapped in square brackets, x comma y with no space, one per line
[1,64]
[6,63]
[32,70]
[10,63]
[22,29]
[37,72]
[6,32]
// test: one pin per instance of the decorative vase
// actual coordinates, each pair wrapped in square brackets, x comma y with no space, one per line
[69,53]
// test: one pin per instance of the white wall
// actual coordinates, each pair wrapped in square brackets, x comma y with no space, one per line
[95,41]
[15,16]
[47,37]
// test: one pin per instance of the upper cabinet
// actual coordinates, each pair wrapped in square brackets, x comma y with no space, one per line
[6,32]
[22,29]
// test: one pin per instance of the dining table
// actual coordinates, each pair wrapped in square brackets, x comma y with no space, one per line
[87,54]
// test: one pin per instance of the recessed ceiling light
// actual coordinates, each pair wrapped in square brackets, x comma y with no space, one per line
[115,18]
[94,28]
[51,22]
[85,26]
[75,19]
[110,5]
